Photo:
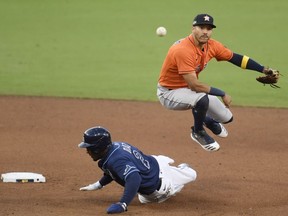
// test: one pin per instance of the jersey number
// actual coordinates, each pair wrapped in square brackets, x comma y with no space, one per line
[140,157]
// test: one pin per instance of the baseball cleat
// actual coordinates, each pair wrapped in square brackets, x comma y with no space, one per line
[224,132]
[218,129]
[204,140]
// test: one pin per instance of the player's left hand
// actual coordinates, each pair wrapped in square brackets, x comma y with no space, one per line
[271,77]
[117,208]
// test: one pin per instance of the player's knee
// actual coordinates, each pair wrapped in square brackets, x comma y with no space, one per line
[231,119]
[203,103]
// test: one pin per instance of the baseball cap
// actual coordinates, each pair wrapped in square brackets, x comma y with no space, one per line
[203,19]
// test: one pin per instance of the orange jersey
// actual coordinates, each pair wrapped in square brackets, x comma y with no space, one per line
[184,57]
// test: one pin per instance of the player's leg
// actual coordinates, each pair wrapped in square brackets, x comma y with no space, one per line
[216,115]
[198,134]
[185,99]
[172,178]
[218,111]
[162,194]
[179,99]
[180,175]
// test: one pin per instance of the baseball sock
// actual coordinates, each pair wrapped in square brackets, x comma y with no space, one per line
[199,113]
[212,125]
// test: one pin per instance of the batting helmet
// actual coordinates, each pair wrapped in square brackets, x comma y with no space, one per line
[97,140]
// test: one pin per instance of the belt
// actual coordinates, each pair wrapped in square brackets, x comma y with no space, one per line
[159,86]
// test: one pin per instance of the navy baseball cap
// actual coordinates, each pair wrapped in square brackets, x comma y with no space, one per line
[203,19]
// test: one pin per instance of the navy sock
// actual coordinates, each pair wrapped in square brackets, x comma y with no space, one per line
[211,124]
[208,121]
[199,113]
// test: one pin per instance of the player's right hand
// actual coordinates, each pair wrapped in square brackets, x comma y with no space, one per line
[117,208]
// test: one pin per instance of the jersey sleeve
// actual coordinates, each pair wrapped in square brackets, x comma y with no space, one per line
[105,180]
[131,187]
[221,53]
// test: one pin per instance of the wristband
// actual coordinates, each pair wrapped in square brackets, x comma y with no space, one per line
[216,92]
[123,205]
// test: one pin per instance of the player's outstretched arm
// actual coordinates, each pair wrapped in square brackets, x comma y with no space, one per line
[106,179]
[132,185]
[246,62]
[90,187]
[271,75]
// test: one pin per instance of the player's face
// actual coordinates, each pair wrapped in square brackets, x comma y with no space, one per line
[96,155]
[93,155]
[202,33]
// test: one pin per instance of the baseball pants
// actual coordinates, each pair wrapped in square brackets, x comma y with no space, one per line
[173,180]
[185,99]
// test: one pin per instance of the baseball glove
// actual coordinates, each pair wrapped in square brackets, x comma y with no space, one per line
[271,77]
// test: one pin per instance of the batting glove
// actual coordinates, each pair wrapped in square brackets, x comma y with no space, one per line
[95,186]
[117,208]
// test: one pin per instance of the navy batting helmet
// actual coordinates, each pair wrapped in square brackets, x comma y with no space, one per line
[96,140]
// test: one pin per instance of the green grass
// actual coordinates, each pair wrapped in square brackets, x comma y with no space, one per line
[108,49]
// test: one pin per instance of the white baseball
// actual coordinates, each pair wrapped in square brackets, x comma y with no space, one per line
[161,31]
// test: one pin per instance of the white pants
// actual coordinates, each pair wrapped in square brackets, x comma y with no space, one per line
[185,98]
[173,180]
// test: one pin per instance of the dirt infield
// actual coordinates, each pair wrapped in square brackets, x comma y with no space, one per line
[248,176]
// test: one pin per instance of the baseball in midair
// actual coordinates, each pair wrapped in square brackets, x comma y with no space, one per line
[161,31]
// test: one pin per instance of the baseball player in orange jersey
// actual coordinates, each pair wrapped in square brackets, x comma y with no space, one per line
[180,89]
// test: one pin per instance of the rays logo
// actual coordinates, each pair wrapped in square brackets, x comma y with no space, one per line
[128,169]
